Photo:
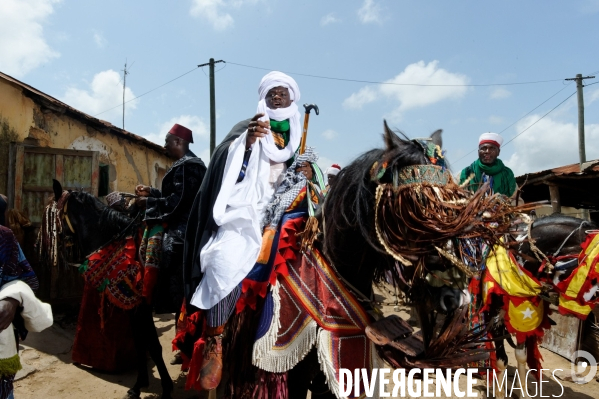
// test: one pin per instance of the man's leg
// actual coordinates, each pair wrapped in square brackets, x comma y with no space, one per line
[175,269]
[216,318]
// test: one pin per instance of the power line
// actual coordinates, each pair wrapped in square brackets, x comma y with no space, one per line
[397,84]
[538,120]
[525,115]
[147,92]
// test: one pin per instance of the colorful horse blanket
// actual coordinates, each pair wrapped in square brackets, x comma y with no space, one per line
[308,305]
[114,271]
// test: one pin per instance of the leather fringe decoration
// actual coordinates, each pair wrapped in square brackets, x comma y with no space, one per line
[424,207]
[309,234]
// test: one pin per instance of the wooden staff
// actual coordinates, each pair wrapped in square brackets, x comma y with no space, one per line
[308,108]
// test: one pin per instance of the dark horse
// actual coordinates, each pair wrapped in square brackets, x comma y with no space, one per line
[96,225]
[351,245]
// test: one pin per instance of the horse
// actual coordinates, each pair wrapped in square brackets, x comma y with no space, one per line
[549,250]
[96,226]
[352,244]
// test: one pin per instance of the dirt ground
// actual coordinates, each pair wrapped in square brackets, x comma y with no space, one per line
[49,372]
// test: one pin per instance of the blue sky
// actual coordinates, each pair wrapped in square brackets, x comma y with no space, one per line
[75,51]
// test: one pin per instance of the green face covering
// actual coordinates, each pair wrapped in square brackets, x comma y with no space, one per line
[504,181]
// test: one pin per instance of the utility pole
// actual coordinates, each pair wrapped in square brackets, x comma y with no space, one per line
[125,73]
[212,104]
[581,146]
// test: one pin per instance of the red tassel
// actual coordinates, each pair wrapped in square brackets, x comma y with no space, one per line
[271,386]
[195,365]
[533,355]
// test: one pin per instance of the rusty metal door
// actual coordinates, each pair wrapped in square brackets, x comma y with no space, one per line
[30,190]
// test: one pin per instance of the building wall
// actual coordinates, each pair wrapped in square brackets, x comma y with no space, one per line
[130,163]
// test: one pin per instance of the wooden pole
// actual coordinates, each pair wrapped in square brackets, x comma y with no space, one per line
[581,144]
[212,108]
[556,204]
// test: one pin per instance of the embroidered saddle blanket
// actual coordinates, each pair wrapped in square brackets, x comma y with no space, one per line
[308,306]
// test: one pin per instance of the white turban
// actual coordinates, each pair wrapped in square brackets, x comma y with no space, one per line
[272,80]
[490,138]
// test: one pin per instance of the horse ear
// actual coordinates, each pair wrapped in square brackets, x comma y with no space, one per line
[437,139]
[391,139]
[57,187]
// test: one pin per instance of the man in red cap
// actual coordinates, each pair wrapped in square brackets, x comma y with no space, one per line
[171,206]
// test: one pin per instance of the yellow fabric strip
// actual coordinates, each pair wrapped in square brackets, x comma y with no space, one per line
[510,276]
[574,306]
[591,252]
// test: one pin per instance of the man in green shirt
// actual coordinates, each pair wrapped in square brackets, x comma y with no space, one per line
[489,168]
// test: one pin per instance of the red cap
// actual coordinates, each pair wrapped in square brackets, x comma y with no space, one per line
[182,131]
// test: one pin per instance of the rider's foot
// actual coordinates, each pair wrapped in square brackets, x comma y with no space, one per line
[177,359]
[212,364]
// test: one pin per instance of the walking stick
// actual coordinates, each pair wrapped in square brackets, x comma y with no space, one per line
[308,108]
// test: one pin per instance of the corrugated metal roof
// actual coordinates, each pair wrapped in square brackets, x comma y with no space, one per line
[100,124]
[590,167]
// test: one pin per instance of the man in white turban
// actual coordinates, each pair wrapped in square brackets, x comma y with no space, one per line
[256,164]
[489,168]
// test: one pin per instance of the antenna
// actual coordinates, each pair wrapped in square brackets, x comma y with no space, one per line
[125,73]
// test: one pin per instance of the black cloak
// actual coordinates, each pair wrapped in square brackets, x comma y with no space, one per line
[201,223]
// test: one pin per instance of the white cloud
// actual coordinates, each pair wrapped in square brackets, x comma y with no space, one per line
[196,124]
[500,93]
[216,11]
[370,12]
[495,120]
[429,74]
[22,43]
[105,92]
[549,144]
[329,19]
[99,40]
[212,10]
[358,100]
[330,134]
[325,163]
[450,86]
[594,96]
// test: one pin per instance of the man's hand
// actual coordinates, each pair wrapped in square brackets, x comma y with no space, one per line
[306,169]
[143,191]
[256,130]
[8,309]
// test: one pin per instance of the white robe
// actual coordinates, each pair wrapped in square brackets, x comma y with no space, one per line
[232,251]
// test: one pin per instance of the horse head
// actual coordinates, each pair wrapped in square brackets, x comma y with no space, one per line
[86,217]
[350,238]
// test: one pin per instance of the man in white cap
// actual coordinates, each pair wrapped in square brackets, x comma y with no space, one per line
[332,173]
[489,168]
[255,168]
